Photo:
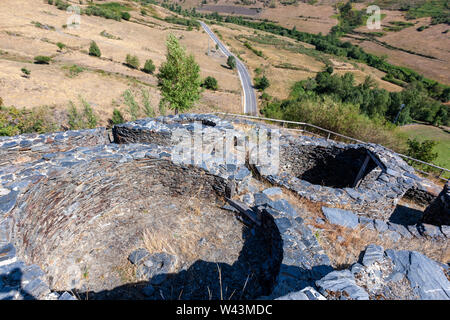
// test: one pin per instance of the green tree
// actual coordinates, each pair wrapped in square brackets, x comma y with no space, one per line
[86,119]
[262,83]
[132,61]
[60,46]
[178,78]
[231,62]
[26,72]
[210,83]
[422,150]
[42,60]
[149,67]
[94,50]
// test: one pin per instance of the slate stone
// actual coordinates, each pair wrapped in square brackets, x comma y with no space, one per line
[273,192]
[283,224]
[445,230]
[66,296]
[372,254]
[37,288]
[414,231]
[380,225]
[393,235]
[283,205]
[8,201]
[341,217]
[426,276]
[366,223]
[342,285]
[402,230]
[308,293]
[7,252]
[138,256]
[429,230]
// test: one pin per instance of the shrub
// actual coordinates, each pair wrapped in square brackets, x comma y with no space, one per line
[149,67]
[262,83]
[132,61]
[26,72]
[125,15]
[231,62]
[117,117]
[60,45]
[86,119]
[210,83]
[94,50]
[422,150]
[14,121]
[42,60]
[148,110]
[133,106]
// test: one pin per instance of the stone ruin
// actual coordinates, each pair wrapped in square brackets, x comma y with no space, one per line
[76,204]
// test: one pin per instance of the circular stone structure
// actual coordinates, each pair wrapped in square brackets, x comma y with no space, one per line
[124,220]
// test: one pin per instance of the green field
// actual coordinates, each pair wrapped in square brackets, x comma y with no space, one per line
[425,132]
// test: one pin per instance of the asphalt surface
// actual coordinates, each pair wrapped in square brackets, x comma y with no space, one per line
[250,105]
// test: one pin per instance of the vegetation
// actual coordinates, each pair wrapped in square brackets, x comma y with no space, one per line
[94,50]
[133,106]
[149,67]
[84,119]
[14,121]
[117,117]
[60,46]
[261,83]
[73,70]
[148,110]
[42,60]
[179,78]
[26,72]
[132,61]
[231,62]
[210,83]
[422,150]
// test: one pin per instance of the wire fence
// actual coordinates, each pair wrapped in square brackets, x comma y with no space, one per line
[419,165]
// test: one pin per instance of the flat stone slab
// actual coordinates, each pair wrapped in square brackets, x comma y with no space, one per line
[341,217]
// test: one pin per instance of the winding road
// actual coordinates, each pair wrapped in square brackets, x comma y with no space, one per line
[250,105]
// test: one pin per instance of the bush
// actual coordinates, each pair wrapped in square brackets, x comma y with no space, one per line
[42,60]
[14,121]
[149,67]
[125,15]
[231,62]
[60,45]
[262,83]
[26,72]
[86,119]
[117,117]
[210,83]
[132,61]
[94,50]
[422,150]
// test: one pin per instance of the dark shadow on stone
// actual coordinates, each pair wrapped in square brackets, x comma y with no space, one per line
[12,282]
[406,216]
[332,167]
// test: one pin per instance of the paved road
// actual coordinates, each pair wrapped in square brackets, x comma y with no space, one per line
[250,105]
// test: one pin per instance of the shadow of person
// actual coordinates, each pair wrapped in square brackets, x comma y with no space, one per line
[11,286]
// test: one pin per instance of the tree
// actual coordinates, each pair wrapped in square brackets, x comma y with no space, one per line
[422,150]
[132,61]
[42,60]
[148,110]
[149,67]
[133,106]
[231,62]
[178,78]
[210,83]
[94,50]
[262,83]
[125,15]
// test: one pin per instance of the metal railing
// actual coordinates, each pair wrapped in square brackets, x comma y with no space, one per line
[329,134]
